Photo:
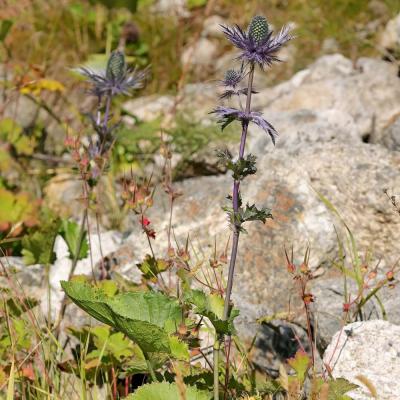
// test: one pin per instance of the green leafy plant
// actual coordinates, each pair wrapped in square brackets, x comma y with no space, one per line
[167,391]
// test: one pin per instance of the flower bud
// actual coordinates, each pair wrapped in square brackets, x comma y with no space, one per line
[232,78]
[258,29]
[116,65]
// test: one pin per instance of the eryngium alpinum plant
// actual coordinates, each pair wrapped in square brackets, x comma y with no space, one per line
[259,47]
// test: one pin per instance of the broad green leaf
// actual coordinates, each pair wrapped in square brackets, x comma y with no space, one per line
[5,26]
[38,248]
[300,363]
[212,307]
[109,287]
[12,132]
[167,391]
[146,318]
[339,387]
[17,207]
[179,349]
[70,231]
[151,267]
[90,299]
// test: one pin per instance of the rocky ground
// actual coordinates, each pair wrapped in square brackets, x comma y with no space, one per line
[339,136]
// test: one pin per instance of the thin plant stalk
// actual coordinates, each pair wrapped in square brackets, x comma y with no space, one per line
[235,242]
[216,351]
[73,267]
[150,368]
[235,202]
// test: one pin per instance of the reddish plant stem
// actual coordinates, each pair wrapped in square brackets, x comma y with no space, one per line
[114,383]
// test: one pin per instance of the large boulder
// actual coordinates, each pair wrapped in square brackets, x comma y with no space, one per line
[390,37]
[367,354]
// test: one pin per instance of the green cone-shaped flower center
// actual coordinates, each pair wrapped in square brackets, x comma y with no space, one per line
[116,65]
[258,29]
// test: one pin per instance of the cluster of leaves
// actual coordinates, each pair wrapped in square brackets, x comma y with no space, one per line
[246,214]
[241,167]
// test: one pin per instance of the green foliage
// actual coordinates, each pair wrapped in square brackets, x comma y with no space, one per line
[338,389]
[38,246]
[17,208]
[240,168]
[167,391]
[300,363]
[131,5]
[212,307]
[13,133]
[196,3]
[5,26]
[149,319]
[246,214]
[151,267]
[70,232]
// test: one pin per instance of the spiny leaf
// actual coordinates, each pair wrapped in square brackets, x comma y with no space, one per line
[167,391]
[240,168]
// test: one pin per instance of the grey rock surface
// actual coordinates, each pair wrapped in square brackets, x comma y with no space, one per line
[390,37]
[370,349]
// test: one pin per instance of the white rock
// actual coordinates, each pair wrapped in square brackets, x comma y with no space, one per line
[175,8]
[370,349]
[212,27]
[60,270]
[369,91]
[202,54]
[150,107]
[390,37]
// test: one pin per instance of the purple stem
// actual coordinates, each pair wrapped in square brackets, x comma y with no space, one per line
[235,202]
[107,112]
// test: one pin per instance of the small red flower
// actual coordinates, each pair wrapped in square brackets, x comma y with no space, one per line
[346,307]
[291,268]
[390,276]
[145,222]
[308,298]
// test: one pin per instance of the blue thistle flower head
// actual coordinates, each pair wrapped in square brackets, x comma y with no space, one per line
[258,45]
[232,78]
[226,115]
[116,79]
